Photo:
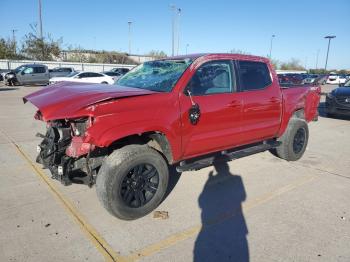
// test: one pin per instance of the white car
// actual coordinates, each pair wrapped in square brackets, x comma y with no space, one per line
[336,79]
[84,77]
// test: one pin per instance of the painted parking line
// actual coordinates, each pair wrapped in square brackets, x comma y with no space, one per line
[97,240]
[178,237]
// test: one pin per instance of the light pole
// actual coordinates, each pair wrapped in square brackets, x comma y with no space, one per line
[318,52]
[14,40]
[178,30]
[272,37]
[187,45]
[329,37]
[40,22]
[129,24]
[173,9]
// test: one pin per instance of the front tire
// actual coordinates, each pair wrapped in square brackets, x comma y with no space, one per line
[132,181]
[294,140]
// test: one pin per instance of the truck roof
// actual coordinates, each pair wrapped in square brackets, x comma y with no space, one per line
[217,55]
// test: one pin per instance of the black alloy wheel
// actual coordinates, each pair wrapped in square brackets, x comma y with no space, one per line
[299,140]
[139,185]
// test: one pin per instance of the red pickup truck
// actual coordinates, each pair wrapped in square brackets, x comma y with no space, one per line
[185,111]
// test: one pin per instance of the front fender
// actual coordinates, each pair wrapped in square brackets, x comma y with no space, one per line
[104,135]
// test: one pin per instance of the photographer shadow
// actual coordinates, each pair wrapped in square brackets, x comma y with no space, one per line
[223,236]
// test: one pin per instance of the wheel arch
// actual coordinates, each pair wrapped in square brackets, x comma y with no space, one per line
[297,113]
[155,139]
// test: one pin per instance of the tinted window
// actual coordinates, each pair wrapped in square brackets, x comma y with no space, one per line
[95,75]
[39,70]
[66,70]
[254,75]
[212,78]
[83,75]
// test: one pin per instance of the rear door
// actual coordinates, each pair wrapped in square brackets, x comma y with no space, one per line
[41,75]
[261,99]
[213,88]
[96,78]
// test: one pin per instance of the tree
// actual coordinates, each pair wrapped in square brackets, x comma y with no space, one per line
[157,54]
[41,48]
[293,64]
[8,50]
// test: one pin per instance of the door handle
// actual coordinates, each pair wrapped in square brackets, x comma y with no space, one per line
[234,104]
[274,100]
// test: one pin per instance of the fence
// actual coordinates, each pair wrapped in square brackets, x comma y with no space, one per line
[92,67]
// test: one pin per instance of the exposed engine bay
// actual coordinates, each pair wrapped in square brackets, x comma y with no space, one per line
[64,153]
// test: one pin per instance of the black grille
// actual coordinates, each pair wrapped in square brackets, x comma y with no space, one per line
[344,100]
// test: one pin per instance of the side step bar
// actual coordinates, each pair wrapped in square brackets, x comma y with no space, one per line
[227,155]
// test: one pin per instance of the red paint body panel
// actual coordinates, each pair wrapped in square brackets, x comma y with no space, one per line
[67,99]
[227,120]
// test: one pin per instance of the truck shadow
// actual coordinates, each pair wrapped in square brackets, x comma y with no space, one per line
[223,236]
[7,88]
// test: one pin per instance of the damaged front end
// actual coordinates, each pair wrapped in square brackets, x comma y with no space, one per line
[65,153]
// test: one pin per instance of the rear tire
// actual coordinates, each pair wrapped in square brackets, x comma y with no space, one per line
[294,140]
[104,82]
[132,181]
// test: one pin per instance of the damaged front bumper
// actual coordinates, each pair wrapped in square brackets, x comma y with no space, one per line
[68,157]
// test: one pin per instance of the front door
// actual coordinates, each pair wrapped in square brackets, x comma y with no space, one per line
[213,89]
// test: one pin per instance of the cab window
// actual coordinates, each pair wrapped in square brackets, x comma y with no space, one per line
[39,70]
[212,78]
[254,75]
[28,70]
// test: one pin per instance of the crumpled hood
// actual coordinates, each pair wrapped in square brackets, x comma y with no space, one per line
[63,100]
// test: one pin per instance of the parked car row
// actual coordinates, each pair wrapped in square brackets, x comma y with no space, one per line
[297,79]
[40,74]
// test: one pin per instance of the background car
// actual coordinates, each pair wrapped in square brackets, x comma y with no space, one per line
[114,75]
[120,70]
[338,101]
[336,79]
[61,71]
[84,77]
[28,74]
[310,79]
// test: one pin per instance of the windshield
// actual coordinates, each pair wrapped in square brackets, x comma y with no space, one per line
[72,74]
[158,76]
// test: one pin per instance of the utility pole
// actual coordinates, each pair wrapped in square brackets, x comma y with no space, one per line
[178,30]
[173,9]
[329,37]
[129,24]
[318,52]
[14,40]
[40,22]
[272,37]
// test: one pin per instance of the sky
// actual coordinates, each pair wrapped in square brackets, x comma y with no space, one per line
[205,26]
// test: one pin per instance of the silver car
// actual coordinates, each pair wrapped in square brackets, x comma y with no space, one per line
[28,74]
